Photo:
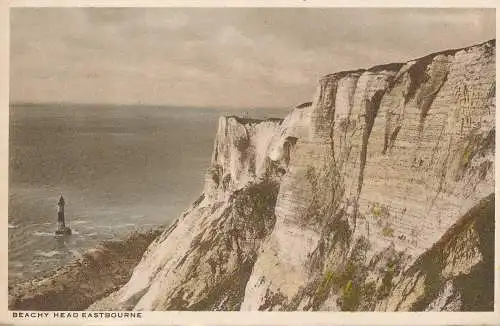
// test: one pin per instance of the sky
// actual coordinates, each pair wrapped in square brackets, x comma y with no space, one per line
[217,57]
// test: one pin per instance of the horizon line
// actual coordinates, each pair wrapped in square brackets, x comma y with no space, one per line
[165,105]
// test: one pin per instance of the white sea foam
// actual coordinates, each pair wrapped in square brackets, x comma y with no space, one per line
[43,234]
[79,222]
[105,226]
[47,254]
[12,226]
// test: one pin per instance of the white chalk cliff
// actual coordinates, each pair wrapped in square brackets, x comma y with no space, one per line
[378,195]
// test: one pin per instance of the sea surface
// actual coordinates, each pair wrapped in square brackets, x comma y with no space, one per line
[119,168]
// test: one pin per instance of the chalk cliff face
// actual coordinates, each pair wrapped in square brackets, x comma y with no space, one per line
[378,195]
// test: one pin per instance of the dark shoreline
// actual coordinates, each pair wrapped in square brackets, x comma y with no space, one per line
[78,284]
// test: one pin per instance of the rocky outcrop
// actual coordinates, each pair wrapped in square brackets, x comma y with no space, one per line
[220,235]
[99,272]
[343,204]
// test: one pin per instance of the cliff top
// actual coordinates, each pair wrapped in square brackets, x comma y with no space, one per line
[397,65]
[245,120]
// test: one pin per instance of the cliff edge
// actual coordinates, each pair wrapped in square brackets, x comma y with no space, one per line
[377,195]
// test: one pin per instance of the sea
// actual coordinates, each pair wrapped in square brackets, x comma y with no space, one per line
[120,169]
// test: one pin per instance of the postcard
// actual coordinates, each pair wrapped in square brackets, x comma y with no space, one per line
[234,163]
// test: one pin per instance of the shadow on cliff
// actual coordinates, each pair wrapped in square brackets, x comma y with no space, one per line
[472,290]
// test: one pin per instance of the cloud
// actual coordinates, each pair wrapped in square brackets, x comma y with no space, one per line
[241,57]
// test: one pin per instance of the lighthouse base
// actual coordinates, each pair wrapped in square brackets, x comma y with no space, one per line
[64,231]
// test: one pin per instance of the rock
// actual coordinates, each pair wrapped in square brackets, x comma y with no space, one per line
[78,284]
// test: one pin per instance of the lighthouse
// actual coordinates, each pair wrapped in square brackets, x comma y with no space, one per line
[62,229]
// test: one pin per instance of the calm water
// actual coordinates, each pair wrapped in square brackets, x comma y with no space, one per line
[119,169]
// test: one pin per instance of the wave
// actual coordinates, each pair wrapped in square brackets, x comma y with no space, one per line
[36,224]
[43,234]
[47,254]
[79,222]
[51,234]
[12,226]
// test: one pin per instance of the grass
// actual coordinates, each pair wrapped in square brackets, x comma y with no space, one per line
[350,296]
[380,210]
[467,156]
[388,231]
[326,284]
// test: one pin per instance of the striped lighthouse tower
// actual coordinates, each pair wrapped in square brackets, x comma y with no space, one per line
[62,229]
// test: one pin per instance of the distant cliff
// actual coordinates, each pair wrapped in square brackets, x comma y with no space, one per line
[378,195]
